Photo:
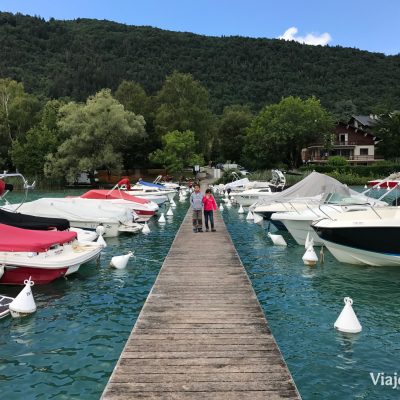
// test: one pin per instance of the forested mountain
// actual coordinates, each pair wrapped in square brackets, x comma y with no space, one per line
[77,58]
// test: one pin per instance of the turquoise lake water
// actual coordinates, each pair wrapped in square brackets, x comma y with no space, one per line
[68,348]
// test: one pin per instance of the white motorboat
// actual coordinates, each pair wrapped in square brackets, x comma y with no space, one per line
[41,255]
[369,237]
[249,197]
[141,206]
[83,213]
[298,223]
[144,191]
[166,185]
[277,183]
[313,189]
[84,235]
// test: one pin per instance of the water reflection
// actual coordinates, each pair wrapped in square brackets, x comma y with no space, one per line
[68,348]
[302,303]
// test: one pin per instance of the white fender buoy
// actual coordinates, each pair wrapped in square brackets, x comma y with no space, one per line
[250,216]
[257,218]
[277,240]
[228,203]
[309,241]
[310,257]
[170,212]
[221,207]
[146,229]
[100,230]
[1,270]
[241,210]
[161,220]
[120,262]
[365,187]
[232,198]
[347,320]
[24,303]
[172,203]
[100,240]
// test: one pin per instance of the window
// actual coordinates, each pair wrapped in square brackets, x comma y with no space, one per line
[343,137]
[364,152]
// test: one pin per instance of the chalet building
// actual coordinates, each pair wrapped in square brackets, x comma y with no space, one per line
[355,141]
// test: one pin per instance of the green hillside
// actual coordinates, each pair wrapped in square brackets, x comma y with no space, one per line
[77,58]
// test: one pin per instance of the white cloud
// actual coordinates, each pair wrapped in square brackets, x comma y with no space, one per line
[311,38]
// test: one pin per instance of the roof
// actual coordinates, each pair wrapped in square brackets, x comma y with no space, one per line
[365,120]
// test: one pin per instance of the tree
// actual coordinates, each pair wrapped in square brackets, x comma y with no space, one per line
[388,130]
[184,105]
[98,133]
[28,154]
[17,114]
[232,131]
[343,110]
[178,151]
[280,131]
[133,97]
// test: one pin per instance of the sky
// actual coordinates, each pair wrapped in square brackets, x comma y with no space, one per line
[364,24]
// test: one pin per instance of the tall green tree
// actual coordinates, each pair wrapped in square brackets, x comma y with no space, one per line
[98,132]
[178,151]
[388,130]
[18,112]
[232,131]
[184,105]
[133,97]
[280,131]
[28,154]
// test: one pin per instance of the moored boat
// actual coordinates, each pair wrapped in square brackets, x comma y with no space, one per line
[143,207]
[368,237]
[42,255]
[83,213]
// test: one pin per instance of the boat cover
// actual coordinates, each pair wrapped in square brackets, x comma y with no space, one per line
[237,183]
[150,184]
[26,221]
[112,195]
[17,239]
[312,185]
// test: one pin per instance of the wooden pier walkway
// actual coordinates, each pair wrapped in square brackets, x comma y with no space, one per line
[201,334]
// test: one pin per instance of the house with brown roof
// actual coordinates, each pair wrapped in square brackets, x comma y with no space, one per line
[354,141]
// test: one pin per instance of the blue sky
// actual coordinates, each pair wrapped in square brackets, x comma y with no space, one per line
[365,24]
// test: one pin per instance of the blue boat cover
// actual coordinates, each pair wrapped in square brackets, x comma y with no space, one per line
[150,184]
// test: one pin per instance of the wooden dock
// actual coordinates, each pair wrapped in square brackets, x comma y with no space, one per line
[201,333]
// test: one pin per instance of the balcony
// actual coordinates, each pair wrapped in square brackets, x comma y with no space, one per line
[366,158]
[340,143]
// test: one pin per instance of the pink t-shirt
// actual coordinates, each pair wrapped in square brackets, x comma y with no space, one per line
[209,203]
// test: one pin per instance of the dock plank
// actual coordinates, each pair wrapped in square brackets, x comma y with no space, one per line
[202,333]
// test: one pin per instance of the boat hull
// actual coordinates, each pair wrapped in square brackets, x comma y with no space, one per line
[17,275]
[299,229]
[351,255]
[364,245]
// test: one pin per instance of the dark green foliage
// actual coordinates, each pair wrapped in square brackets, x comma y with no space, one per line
[336,161]
[75,59]
[378,170]
[231,132]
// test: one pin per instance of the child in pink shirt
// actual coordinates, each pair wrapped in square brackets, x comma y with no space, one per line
[209,206]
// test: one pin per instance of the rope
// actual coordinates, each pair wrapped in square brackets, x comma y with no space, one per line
[148,259]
